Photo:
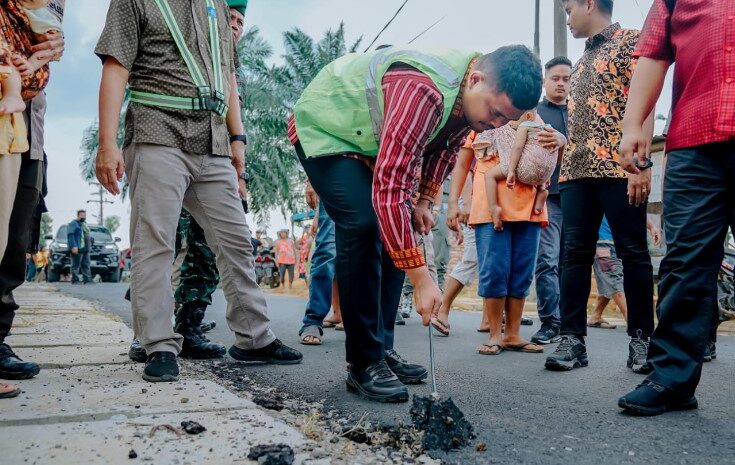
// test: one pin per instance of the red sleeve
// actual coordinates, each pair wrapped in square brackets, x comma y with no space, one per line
[435,170]
[413,109]
[655,41]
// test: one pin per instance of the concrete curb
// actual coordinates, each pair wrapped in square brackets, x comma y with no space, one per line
[89,404]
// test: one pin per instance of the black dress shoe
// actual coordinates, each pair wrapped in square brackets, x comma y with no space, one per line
[161,367]
[407,373]
[377,382]
[137,352]
[12,367]
[276,353]
[651,398]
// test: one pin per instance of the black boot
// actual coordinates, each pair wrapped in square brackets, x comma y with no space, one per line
[188,324]
[12,367]
[198,318]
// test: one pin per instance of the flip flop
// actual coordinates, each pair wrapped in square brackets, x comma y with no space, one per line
[339,327]
[602,324]
[525,347]
[480,330]
[441,326]
[330,323]
[490,349]
[8,390]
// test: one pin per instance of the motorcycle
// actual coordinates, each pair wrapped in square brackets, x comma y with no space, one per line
[266,269]
[726,287]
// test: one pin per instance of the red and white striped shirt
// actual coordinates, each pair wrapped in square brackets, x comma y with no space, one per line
[413,110]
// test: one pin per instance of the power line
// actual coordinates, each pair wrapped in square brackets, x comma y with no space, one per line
[427,29]
[386,26]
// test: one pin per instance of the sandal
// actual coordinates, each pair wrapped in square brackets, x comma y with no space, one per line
[525,347]
[311,336]
[490,349]
[8,390]
[330,323]
[602,324]
[339,327]
[441,326]
[483,330]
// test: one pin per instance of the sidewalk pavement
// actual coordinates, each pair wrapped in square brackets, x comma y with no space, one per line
[89,404]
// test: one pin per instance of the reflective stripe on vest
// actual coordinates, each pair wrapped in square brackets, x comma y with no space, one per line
[371,86]
[206,98]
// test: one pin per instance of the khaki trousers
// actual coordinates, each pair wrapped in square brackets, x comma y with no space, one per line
[9,172]
[162,180]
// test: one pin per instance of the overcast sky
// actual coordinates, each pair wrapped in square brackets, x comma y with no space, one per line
[481,25]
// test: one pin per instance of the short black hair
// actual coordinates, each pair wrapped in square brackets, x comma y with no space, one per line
[556,61]
[81,211]
[605,6]
[516,71]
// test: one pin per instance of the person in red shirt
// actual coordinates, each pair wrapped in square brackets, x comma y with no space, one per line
[699,184]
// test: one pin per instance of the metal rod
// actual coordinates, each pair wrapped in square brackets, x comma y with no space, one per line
[431,362]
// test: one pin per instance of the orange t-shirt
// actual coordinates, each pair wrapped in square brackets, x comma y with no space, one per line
[517,203]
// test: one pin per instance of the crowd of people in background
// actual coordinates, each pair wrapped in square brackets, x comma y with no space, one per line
[546,189]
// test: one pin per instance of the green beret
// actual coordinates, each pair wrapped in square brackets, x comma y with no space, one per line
[239,5]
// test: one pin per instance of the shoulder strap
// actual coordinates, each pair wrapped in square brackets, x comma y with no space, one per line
[670,5]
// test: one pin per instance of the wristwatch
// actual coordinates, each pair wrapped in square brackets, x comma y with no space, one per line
[241,137]
[245,176]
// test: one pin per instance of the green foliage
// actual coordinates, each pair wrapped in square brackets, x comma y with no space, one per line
[112,223]
[47,227]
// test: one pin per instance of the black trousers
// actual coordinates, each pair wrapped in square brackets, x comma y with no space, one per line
[699,204]
[369,283]
[13,265]
[583,203]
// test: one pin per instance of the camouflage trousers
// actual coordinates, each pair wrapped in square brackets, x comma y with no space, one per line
[198,275]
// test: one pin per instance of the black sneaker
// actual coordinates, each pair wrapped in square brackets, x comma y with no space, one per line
[651,398]
[137,352]
[399,320]
[12,367]
[407,373]
[638,355]
[377,382]
[571,353]
[546,334]
[275,353]
[161,367]
[526,321]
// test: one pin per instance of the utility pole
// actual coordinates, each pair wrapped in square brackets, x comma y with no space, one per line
[537,30]
[560,29]
[101,200]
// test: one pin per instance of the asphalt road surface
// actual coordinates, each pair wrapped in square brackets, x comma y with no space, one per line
[523,413]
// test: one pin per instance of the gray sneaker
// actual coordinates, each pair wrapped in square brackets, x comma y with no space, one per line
[399,319]
[571,353]
[638,354]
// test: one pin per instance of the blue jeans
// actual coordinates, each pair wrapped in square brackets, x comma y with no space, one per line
[322,271]
[506,258]
[547,265]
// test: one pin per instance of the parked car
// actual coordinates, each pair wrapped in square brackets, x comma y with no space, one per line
[103,258]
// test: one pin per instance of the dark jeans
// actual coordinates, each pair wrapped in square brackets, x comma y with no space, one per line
[699,204]
[80,264]
[583,203]
[322,271]
[547,264]
[369,282]
[13,265]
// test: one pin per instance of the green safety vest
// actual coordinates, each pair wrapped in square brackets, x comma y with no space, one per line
[208,98]
[341,110]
